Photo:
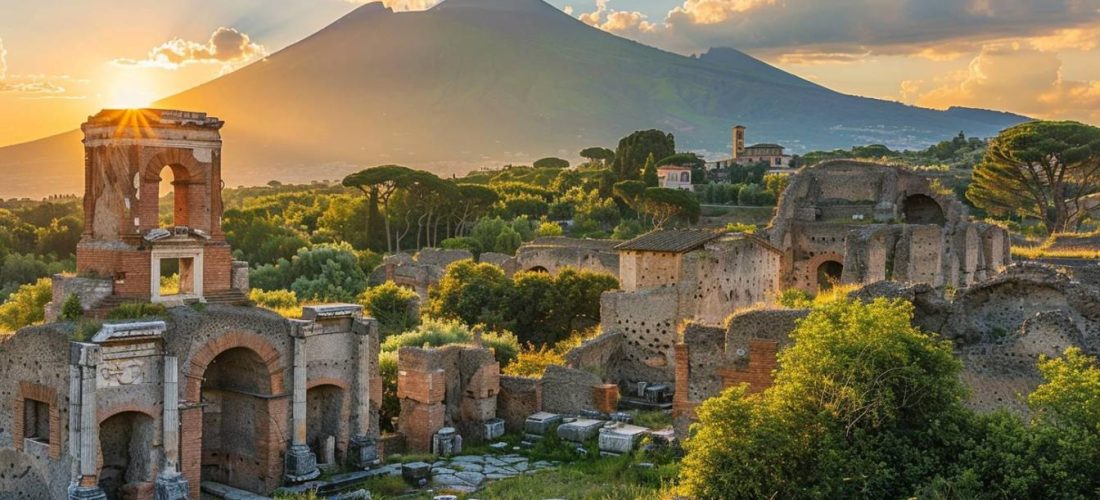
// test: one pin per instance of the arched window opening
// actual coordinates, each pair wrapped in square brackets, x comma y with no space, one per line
[922,209]
[828,274]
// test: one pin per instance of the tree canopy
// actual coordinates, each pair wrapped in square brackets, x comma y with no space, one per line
[551,162]
[635,148]
[1040,169]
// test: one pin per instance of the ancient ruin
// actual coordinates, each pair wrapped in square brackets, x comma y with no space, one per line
[215,397]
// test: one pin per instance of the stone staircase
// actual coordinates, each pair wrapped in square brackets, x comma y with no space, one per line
[223,297]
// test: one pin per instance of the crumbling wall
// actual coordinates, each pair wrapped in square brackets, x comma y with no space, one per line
[90,292]
[519,398]
[454,386]
[552,254]
[727,275]
[569,391]
[648,322]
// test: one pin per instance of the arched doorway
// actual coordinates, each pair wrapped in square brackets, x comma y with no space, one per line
[324,416]
[127,453]
[828,274]
[172,196]
[237,421]
[922,209]
[539,269]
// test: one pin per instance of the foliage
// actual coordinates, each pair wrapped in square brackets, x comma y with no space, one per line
[665,205]
[325,273]
[437,333]
[391,404]
[740,227]
[550,229]
[849,410]
[71,309]
[508,241]
[635,148]
[776,184]
[551,162]
[137,310]
[1070,397]
[395,308]
[697,164]
[1040,169]
[649,172]
[493,234]
[597,154]
[591,212]
[753,195]
[26,306]
[539,308]
[795,298]
[274,299]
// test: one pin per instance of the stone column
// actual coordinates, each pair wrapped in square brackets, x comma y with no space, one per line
[363,450]
[301,463]
[84,358]
[170,484]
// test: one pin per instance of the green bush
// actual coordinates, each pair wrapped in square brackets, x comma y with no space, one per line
[397,309]
[71,309]
[323,273]
[26,306]
[274,299]
[795,298]
[137,310]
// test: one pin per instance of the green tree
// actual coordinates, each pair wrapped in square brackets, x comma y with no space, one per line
[26,306]
[327,273]
[71,309]
[549,229]
[635,148]
[508,241]
[379,184]
[1040,169]
[853,412]
[663,205]
[776,184]
[594,154]
[475,201]
[397,309]
[649,172]
[551,162]
[473,293]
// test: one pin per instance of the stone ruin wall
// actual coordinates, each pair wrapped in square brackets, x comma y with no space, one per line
[1000,329]
[35,365]
[451,386]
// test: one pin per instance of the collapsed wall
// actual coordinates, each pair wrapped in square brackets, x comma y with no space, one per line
[1000,327]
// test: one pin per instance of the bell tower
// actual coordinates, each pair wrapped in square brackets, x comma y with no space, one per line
[128,238]
[738,141]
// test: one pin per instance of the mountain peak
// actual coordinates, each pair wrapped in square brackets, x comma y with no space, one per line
[510,6]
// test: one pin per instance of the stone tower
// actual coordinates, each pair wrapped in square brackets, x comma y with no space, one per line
[127,154]
[738,141]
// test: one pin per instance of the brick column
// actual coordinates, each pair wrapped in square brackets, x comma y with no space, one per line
[85,357]
[301,463]
[363,449]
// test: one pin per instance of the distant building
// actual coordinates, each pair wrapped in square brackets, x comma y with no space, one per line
[675,177]
[772,154]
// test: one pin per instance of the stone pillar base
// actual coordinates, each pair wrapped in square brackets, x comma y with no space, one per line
[301,464]
[362,452]
[171,487]
[77,492]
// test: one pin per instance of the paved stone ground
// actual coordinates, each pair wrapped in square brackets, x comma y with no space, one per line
[468,473]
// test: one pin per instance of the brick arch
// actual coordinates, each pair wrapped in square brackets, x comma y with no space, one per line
[816,261]
[271,433]
[321,381]
[267,352]
[150,411]
[182,159]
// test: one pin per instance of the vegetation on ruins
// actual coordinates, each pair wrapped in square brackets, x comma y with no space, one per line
[26,306]
[866,405]
[1041,169]
[540,309]
[397,309]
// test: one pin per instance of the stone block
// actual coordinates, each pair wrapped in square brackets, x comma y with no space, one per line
[606,397]
[540,423]
[494,428]
[447,442]
[415,472]
[580,431]
[620,439]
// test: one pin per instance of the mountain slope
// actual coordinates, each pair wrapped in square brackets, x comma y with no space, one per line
[471,82]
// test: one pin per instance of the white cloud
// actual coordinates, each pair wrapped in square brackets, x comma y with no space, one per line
[226,46]
[33,86]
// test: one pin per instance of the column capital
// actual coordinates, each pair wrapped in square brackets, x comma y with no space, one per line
[84,354]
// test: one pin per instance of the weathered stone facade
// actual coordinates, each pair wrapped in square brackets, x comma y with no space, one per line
[854,222]
[221,395]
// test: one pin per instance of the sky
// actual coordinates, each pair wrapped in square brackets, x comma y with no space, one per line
[61,60]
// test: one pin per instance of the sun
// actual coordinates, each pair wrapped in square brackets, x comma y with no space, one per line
[130,91]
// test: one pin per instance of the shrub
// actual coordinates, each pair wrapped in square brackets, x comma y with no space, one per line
[137,310]
[283,302]
[86,330]
[71,309]
[794,298]
[27,305]
[397,309]
[326,273]
[391,405]
[550,229]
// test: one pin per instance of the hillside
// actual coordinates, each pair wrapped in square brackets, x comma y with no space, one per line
[471,82]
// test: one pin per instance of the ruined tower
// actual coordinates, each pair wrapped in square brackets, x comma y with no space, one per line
[738,141]
[127,155]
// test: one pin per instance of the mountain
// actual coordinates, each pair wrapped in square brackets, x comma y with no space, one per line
[486,82]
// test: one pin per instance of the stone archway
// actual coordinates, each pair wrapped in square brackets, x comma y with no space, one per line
[539,269]
[922,209]
[828,274]
[327,415]
[127,456]
[236,432]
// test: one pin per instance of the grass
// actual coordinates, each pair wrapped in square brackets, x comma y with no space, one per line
[573,481]
[1045,252]
[654,419]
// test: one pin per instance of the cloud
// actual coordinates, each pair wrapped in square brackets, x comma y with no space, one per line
[403,5]
[937,29]
[1011,76]
[226,46]
[34,86]
[631,24]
